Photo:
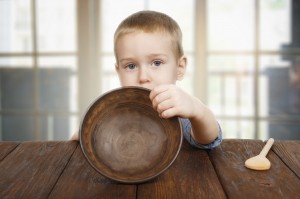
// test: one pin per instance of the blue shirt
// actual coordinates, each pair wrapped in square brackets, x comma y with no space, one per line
[187,128]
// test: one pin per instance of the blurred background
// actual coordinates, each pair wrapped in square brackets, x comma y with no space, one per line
[56,57]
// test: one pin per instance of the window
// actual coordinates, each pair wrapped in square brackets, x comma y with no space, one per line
[253,67]
[37,69]
[56,57]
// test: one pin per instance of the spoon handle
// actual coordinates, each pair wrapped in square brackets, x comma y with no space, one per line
[267,147]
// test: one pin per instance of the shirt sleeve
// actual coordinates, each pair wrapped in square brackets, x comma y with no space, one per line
[186,129]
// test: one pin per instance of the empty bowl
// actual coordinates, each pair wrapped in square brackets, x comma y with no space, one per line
[124,139]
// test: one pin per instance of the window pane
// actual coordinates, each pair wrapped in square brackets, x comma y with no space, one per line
[55,127]
[58,72]
[108,63]
[16,89]
[229,128]
[23,131]
[246,129]
[275,25]
[284,130]
[230,25]
[16,62]
[231,85]
[238,129]
[54,89]
[58,62]
[56,25]
[281,103]
[279,87]
[281,130]
[15,26]
[263,132]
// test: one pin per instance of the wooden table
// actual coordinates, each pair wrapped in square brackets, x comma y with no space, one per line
[60,170]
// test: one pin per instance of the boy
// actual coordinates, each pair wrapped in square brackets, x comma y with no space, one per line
[148,51]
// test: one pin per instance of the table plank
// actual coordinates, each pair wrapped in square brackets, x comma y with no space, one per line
[240,182]
[191,176]
[289,152]
[6,148]
[80,180]
[32,169]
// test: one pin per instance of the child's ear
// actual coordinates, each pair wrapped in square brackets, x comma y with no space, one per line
[181,68]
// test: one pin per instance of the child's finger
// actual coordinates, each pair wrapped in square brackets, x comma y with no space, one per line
[157,90]
[160,98]
[164,105]
[171,112]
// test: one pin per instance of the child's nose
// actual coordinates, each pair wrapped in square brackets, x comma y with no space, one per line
[144,76]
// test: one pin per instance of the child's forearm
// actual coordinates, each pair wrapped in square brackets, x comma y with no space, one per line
[205,128]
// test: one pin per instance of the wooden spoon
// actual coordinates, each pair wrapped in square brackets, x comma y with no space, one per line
[260,162]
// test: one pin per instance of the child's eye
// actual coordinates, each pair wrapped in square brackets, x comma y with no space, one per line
[157,63]
[131,66]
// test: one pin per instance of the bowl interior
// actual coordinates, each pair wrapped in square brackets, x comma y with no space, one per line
[124,139]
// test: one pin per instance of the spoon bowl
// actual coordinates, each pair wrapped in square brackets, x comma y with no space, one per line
[260,162]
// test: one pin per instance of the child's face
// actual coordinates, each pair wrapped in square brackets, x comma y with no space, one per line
[148,60]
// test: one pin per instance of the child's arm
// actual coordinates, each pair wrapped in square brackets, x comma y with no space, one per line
[205,128]
[169,101]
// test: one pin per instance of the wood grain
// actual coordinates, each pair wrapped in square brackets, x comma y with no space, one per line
[289,153]
[32,169]
[191,176]
[240,182]
[6,148]
[60,170]
[80,180]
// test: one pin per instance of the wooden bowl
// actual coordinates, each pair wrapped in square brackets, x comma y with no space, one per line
[124,139]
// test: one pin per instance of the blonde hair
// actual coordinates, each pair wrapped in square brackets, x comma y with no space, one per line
[151,21]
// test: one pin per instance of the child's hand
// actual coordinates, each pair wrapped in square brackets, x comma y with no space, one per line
[169,101]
